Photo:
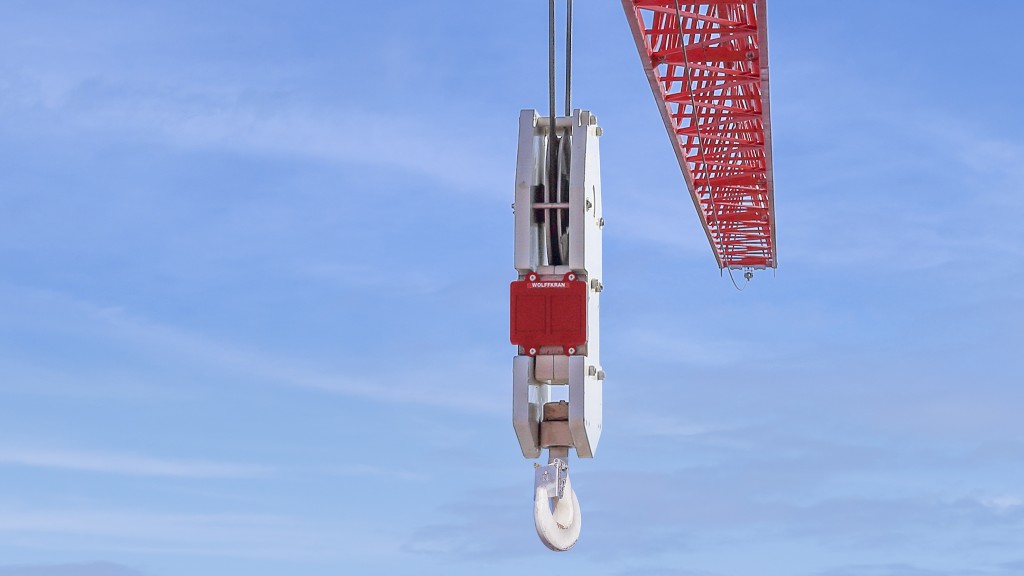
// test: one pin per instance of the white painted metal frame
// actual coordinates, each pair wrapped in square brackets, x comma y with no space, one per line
[533,377]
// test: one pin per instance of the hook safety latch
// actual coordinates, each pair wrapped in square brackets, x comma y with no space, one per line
[551,478]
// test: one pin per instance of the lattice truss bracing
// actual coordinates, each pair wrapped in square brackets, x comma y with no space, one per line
[714,101]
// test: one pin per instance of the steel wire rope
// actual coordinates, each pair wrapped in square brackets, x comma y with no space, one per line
[553,173]
[565,141]
[568,57]
[700,146]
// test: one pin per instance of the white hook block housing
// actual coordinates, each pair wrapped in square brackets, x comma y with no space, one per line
[555,302]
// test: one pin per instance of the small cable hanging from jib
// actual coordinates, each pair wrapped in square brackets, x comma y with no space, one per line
[707,64]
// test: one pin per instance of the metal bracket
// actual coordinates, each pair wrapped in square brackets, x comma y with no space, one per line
[551,477]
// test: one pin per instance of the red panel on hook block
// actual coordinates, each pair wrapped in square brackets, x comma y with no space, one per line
[549,313]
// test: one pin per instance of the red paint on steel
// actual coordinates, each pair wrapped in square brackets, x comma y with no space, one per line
[714,102]
[549,313]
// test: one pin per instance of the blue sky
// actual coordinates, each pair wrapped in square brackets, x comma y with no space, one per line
[253,298]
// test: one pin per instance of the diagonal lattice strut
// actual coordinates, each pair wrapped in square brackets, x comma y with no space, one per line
[707,63]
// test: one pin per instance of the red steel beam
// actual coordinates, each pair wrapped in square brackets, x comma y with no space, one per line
[707,63]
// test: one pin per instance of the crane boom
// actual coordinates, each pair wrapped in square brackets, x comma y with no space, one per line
[707,63]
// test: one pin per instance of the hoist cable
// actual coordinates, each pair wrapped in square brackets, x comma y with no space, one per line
[568,57]
[555,145]
[552,161]
[564,144]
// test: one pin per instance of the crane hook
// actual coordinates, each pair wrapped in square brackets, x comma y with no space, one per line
[556,509]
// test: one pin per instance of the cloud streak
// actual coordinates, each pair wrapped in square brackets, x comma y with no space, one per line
[119,530]
[119,327]
[87,569]
[126,464]
[219,118]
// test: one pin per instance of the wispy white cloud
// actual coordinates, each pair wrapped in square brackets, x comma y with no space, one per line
[128,464]
[1003,504]
[23,376]
[938,192]
[661,217]
[87,569]
[374,277]
[653,424]
[696,349]
[260,365]
[901,569]
[373,471]
[109,530]
[219,118]
[391,384]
